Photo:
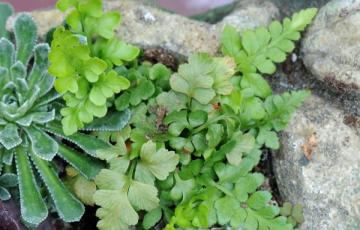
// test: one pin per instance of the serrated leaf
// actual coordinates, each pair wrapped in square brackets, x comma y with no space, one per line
[33,208]
[88,143]
[114,121]
[9,136]
[42,144]
[86,165]
[68,207]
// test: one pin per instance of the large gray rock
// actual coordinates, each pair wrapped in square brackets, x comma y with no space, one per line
[331,46]
[146,26]
[328,185]
[250,14]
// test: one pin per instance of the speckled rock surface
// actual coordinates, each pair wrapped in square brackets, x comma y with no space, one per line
[250,14]
[328,185]
[331,46]
[150,27]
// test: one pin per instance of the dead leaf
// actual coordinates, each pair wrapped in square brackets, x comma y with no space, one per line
[309,146]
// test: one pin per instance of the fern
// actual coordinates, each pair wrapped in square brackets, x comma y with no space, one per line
[187,152]
[258,50]
[83,65]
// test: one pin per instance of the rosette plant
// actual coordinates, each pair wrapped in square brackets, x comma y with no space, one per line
[30,134]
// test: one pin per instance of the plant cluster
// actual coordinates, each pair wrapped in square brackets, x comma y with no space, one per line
[143,143]
[188,153]
[82,59]
[30,132]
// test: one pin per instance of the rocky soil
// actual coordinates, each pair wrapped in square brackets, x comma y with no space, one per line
[318,164]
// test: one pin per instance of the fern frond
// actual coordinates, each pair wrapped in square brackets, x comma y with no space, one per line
[261,48]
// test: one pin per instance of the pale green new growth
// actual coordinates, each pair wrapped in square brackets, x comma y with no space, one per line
[261,48]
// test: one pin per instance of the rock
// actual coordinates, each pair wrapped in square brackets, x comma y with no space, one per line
[327,185]
[146,26]
[249,14]
[331,46]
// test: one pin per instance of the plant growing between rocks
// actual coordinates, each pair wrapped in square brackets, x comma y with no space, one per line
[82,60]
[187,152]
[27,116]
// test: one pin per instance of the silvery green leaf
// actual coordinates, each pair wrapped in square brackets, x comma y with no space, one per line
[7,156]
[42,144]
[33,208]
[7,53]
[88,166]
[4,77]
[9,136]
[41,62]
[25,31]
[113,121]
[68,207]
[5,12]
[17,70]
[21,111]
[45,84]
[89,144]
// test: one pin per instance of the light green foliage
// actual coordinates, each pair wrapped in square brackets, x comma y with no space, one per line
[187,152]
[219,188]
[294,213]
[192,143]
[83,65]
[128,185]
[82,187]
[30,133]
[259,49]
[204,77]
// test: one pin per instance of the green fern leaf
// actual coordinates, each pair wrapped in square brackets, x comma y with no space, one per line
[261,48]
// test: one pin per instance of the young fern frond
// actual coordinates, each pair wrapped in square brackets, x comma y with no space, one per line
[259,49]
